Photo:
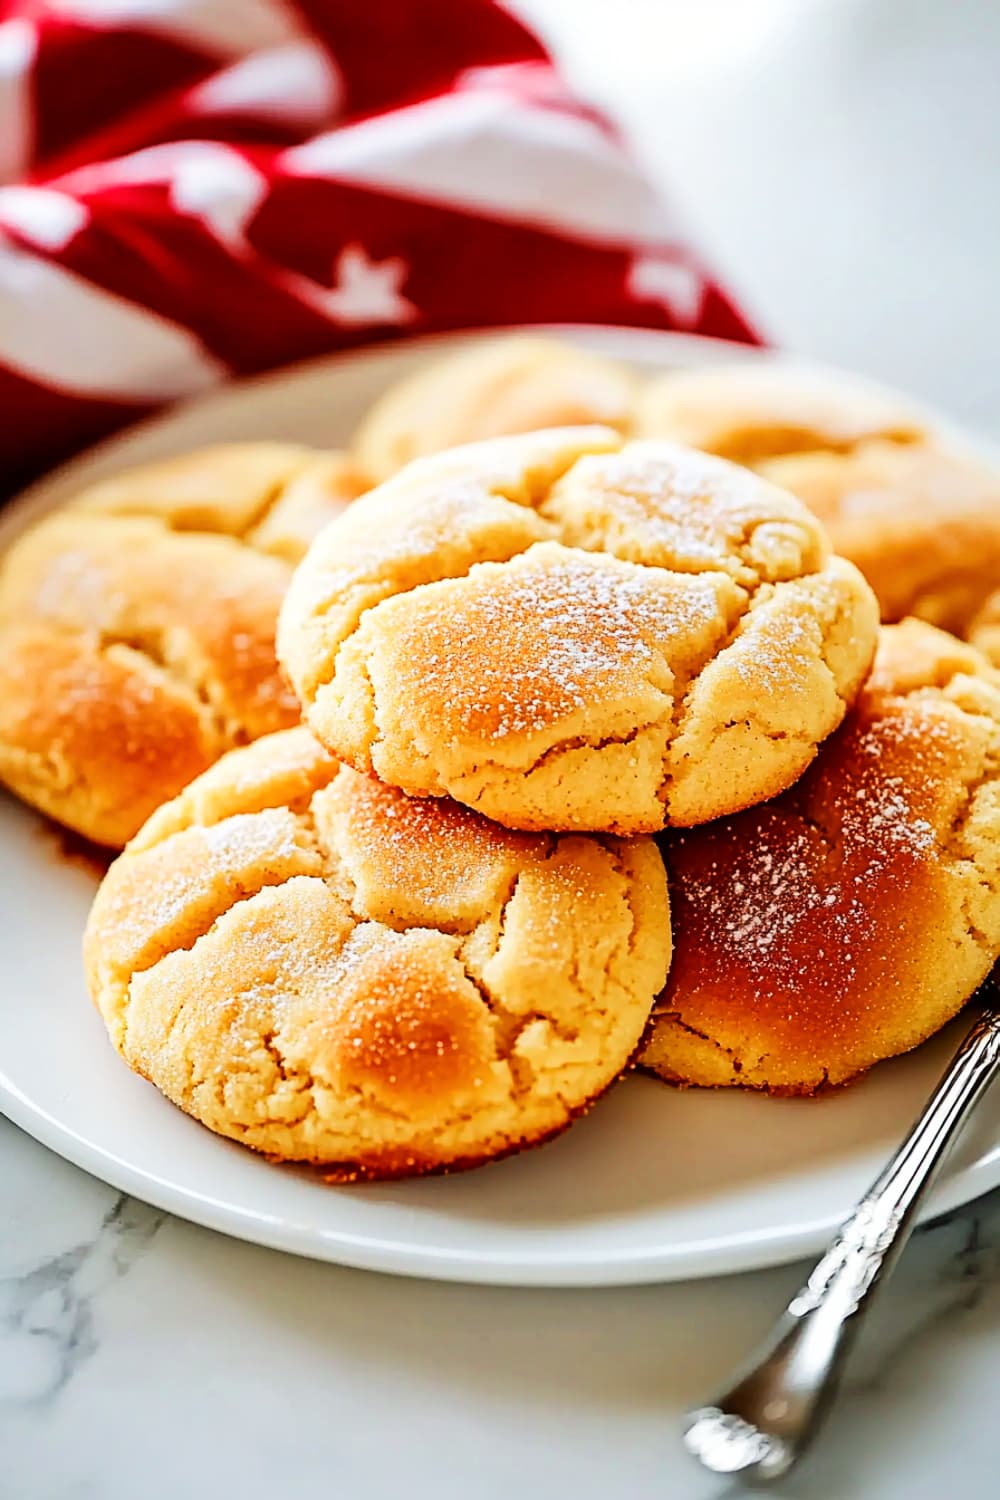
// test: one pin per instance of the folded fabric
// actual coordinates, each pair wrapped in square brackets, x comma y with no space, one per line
[197,189]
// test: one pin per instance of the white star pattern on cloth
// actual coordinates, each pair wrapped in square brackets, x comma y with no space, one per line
[673,282]
[366,291]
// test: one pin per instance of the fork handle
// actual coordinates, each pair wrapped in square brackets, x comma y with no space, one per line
[783,1393]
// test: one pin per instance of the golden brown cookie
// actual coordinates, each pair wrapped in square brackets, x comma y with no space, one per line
[313,964]
[922,524]
[849,919]
[920,520]
[566,631]
[984,628]
[755,410]
[137,628]
[514,385]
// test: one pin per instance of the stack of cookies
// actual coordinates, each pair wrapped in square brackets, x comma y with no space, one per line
[604,756]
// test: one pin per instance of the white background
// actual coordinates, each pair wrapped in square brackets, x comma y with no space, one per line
[838,160]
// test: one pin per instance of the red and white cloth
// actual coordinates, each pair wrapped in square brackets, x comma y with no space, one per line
[197,189]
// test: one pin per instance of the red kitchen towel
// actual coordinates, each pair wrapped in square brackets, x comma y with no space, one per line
[197,189]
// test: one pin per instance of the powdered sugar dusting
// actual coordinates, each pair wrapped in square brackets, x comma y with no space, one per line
[246,837]
[806,891]
[777,638]
[428,862]
[554,632]
[178,888]
[770,660]
[666,506]
[400,530]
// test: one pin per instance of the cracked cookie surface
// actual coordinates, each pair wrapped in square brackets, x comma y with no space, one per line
[315,965]
[918,517]
[563,630]
[849,919]
[511,385]
[137,628]
[922,523]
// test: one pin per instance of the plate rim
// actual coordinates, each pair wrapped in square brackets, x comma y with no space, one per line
[731,1253]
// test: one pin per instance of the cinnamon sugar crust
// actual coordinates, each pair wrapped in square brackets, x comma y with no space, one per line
[852,917]
[564,631]
[314,965]
[137,628]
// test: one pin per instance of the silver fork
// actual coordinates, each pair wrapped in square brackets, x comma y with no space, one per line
[763,1423]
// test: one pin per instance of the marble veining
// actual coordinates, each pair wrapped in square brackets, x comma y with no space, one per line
[136,1350]
[47,1313]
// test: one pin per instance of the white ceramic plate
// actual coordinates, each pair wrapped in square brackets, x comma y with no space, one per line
[653,1185]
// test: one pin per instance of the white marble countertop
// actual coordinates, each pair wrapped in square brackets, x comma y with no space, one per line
[142,1358]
